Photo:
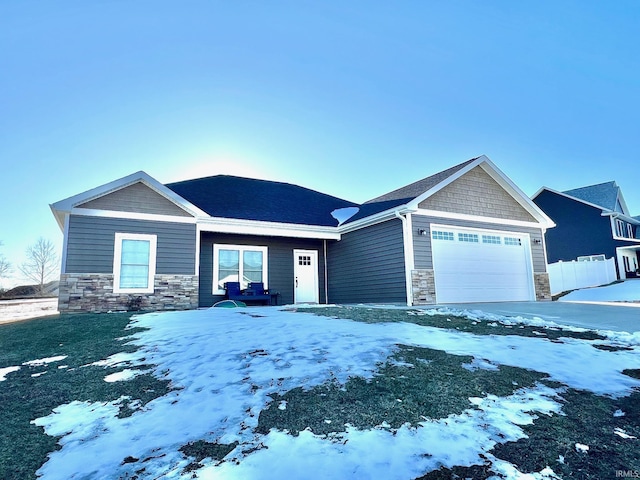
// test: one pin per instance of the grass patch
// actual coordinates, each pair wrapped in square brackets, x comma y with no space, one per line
[414,385]
[436,386]
[84,339]
[417,384]
[589,420]
[200,450]
[449,322]
[632,372]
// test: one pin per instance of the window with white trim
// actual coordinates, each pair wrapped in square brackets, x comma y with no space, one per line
[238,263]
[629,230]
[134,262]
[591,258]
[620,230]
[513,241]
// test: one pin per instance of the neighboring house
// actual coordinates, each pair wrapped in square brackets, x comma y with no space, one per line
[593,222]
[463,235]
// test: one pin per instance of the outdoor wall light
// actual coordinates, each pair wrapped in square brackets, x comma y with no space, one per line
[422,232]
[537,241]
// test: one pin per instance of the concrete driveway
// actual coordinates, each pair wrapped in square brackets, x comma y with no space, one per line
[622,317]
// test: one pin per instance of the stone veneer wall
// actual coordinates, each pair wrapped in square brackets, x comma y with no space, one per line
[423,287]
[93,292]
[542,286]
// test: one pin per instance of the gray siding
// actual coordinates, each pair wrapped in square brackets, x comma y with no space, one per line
[367,265]
[90,244]
[280,258]
[477,193]
[136,198]
[422,244]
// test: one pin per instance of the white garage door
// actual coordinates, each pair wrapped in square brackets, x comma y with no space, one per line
[481,266]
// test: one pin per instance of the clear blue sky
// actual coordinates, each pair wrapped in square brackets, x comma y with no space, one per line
[350,98]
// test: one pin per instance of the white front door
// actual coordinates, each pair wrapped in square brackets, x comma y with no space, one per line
[305,272]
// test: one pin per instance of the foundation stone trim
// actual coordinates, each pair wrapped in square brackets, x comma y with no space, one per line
[423,287]
[93,293]
[542,286]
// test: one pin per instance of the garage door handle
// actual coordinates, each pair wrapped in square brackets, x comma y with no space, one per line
[296,282]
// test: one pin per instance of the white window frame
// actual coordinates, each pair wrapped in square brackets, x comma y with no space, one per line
[620,230]
[592,258]
[117,261]
[241,248]
[629,230]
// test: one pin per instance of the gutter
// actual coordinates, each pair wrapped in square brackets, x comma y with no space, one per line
[376,218]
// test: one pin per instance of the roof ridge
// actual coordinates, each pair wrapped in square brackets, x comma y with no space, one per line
[251,179]
[591,186]
[605,195]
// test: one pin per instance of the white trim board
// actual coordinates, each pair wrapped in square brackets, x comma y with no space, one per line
[477,218]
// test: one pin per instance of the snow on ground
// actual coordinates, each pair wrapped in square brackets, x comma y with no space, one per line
[226,363]
[6,371]
[13,310]
[39,362]
[44,361]
[627,291]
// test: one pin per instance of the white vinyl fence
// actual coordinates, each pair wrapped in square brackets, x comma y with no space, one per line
[564,276]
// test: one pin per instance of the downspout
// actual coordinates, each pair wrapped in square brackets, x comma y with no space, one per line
[408,265]
[326,278]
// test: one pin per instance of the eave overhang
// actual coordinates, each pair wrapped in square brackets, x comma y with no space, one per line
[271,229]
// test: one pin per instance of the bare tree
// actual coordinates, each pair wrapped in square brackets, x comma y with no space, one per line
[41,264]
[5,266]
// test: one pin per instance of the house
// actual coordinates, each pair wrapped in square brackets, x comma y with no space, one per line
[593,222]
[462,235]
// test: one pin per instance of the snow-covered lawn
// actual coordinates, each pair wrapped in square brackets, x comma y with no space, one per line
[227,365]
[627,291]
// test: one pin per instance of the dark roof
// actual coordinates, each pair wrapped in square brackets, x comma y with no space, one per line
[371,208]
[604,195]
[416,189]
[228,196]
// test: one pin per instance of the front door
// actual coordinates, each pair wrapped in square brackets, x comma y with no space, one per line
[305,270]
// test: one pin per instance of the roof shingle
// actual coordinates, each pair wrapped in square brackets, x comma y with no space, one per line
[604,195]
[227,196]
[416,189]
